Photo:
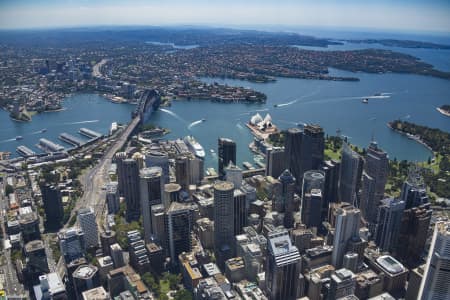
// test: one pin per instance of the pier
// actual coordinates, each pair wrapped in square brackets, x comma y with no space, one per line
[90,133]
[68,138]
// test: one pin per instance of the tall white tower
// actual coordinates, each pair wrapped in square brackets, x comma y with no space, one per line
[86,219]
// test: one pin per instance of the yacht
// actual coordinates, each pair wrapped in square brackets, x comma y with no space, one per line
[194,146]
[365,100]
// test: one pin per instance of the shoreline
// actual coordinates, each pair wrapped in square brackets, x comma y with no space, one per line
[419,140]
[443,112]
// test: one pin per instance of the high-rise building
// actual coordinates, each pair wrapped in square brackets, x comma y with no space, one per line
[330,193]
[233,174]
[435,283]
[128,174]
[158,223]
[139,259]
[117,255]
[179,222]
[107,238]
[50,287]
[71,243]
[314,136]
[171,194]
[287,197]
[350,175]
[312,208]
[414,191]
[54,212]
[240,211]
[112,197]
[275,161]
[376,168]
[151,193]
[390,214]
[347,227]
[342,284]
[413,234]
[182,171]
[158,159]
[36,259]
[196,169]
[283,267]
[226,153]
[88,223]
[296,153]
[223,221]
[86,277]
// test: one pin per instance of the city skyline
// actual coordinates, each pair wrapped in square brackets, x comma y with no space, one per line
[430,16]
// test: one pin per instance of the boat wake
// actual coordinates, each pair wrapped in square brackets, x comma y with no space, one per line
[297,100]
[239,126]
[82,122]
[172,114]
[195,123]
[253,111]
[8,140]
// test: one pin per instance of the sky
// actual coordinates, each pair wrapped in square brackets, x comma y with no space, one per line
[401,15]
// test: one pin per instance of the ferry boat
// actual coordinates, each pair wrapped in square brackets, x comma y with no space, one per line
[365,100]
[194,146]
[19,137]
[43,130]
[212,151]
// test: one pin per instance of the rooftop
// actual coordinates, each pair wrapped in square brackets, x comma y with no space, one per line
[390,264]
[85,271]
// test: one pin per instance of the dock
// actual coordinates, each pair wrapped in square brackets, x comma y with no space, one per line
[49,146]
[90,133]
[24,151]
[68,138]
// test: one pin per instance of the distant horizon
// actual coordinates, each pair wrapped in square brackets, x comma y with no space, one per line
[411,16]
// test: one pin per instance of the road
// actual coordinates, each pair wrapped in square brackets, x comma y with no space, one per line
[96,70]
[95,179]
[12,284]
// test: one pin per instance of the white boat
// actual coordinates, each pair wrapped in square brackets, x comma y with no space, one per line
[194,146]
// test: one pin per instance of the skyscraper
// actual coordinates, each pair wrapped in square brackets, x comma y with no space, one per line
[112,197]
[296,153]
[275,161]
[71,243]
[314,136]
[178,227]
[158,159]
[223,221]
[350,175]
[414,191]
[287,197]
[227,154]
[36,259]
[390,214]
[171,194]
[182,171]
[347,227]
[413,234]
[376,168]
[88,223]
[283,267]
[151,191]
[128,174]
[331,186]
[312,208]
[240,211]
[54,212]
[233,174]
[435,283]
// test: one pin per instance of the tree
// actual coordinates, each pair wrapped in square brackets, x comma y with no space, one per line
[183,295]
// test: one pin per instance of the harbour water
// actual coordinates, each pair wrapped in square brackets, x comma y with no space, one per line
[333,105]
[82,110]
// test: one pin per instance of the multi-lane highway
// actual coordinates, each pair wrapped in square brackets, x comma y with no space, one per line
[95,179]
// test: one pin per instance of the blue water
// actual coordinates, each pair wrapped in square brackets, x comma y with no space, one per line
[83,110]
[333,105]
[440,59]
